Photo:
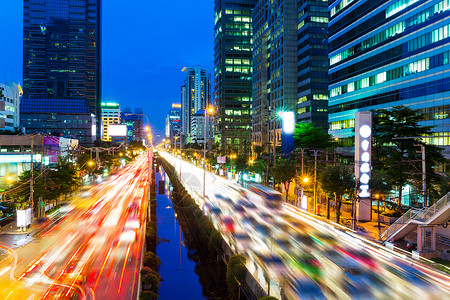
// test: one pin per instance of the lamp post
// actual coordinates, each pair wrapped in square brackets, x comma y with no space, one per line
[209,110]
[304,181]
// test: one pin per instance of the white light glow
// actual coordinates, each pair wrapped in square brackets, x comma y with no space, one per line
[117,130]
[365,167]
[364,178]
[288,122]
[365,131]
[365,145]
[365,157]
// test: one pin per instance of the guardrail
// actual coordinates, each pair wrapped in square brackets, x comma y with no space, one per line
[432,210]
[422,215]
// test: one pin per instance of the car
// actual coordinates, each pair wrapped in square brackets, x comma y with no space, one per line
[411,245]
[227,224]
[305,263]
[302,288]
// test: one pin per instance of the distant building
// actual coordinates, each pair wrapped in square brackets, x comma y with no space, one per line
[275,68]
[233,74]
[389,53]
[110,116]
[198,128]
[195,95]
[62,66]
[9,106]
[173,123]
[15,154]
[135,124]
[59,117]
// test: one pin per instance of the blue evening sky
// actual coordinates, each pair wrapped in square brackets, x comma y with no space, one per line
[145,46]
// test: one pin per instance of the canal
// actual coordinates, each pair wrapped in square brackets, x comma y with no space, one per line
[186,272]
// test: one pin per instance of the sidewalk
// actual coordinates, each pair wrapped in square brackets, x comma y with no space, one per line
[11,228]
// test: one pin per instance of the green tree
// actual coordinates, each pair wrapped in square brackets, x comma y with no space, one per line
[308,136]
[151,260]
[235,274]
[284,173]
[337,181]
[380,183]
[395,141]
[258,150]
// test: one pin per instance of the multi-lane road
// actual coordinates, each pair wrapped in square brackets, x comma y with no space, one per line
[296,256]
[90,249]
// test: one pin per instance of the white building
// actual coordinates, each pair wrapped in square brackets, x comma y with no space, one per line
[198,127]
[110,116]
[9,106]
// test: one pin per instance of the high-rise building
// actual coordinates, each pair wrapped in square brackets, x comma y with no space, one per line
[289,66]
[233,74]
[61,65]
[173,122]
[110,116]
[195,95]
[10,94]
[135,124]
[389,53]
[274,68]
[312,62]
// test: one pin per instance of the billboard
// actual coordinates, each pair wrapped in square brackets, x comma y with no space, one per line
[363,163]
[117,130]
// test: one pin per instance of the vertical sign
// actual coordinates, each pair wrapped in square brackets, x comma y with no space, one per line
[363,163]
[287,135]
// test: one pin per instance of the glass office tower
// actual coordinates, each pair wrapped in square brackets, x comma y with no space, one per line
[233,75]
[61,62]
[389,53]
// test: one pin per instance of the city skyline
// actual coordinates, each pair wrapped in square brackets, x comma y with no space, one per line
[153,35]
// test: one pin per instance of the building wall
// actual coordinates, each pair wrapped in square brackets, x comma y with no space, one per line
[389,53]
[61,52]
[233,32]
[312,62]
[195,96]
[9,106]
[135,124]
[110,116]
[275,67]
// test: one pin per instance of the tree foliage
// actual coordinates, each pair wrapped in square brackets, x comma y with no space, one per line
[283,173]
[308,136]
[235,274]
[337,181]
[395,147]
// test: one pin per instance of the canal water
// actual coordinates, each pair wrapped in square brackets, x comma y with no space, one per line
[185,273]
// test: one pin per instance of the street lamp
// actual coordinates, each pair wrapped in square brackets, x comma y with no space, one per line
[209,110]
[304,181]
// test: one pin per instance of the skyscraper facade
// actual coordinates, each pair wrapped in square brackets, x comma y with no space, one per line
[274,68]
[110,116]
[61,60]
[10,94]
[173,122]
[195,95]
[312,62]
[135,123]
[233,74]
[290,66]
[389,53]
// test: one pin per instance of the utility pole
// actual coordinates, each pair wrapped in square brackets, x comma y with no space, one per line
[315,178]
[32,175]
[424,176]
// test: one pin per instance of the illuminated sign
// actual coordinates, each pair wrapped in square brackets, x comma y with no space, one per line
[117,130]
[363,163]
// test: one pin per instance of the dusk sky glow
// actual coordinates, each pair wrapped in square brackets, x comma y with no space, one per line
[145,46]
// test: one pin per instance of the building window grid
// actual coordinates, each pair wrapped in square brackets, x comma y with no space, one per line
[408,69]
[436,35]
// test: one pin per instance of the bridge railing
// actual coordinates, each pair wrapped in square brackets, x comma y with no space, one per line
[432,210]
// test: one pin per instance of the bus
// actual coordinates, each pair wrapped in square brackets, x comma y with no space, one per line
[271,197]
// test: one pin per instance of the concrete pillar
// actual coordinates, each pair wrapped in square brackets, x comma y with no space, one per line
[419,238]
[433,237]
